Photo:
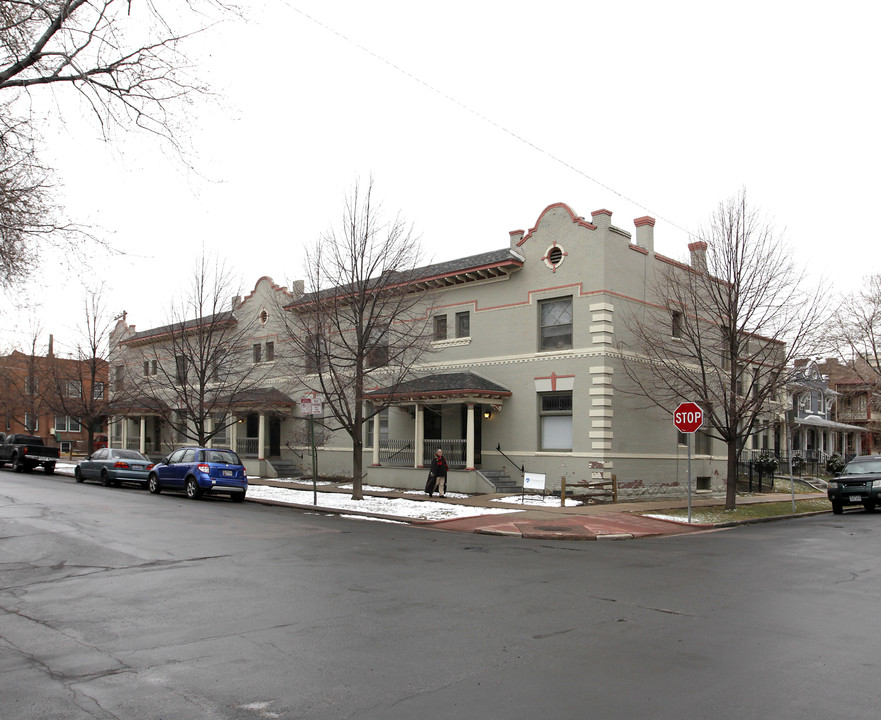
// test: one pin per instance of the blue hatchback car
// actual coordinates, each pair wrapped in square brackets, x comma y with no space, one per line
[200,471]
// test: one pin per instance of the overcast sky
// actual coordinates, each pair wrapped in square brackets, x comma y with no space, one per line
[472,118]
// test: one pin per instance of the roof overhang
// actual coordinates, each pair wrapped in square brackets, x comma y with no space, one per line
[821,423]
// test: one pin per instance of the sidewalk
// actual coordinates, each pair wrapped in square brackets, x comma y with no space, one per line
[621,521]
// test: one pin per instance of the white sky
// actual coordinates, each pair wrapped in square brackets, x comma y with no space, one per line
[661,108]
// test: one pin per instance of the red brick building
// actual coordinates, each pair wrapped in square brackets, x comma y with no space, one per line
[62,400]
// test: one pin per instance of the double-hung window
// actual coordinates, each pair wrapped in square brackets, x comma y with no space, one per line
[180,363]
[676,324]
[555,421]
[556,323]
[67,423]
[440,327]
[463,324]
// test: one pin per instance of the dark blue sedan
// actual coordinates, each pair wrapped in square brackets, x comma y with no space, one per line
[200,471]
[113,466]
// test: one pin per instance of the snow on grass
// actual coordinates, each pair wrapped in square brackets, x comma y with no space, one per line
[398,507]
[543,500]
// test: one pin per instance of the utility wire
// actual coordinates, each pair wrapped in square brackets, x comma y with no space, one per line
[484,118]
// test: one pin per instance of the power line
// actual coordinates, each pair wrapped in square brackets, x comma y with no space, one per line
[484,118]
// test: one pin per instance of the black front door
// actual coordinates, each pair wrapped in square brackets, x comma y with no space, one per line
[274,436]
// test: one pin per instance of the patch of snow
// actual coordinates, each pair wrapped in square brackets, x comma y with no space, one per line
[544,500]
[398,507]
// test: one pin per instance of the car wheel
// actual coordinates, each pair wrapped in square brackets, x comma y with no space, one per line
[153,484]
[17,464]
[105,481]
[78,475]
[49,468]
[837,508]
[869,506]
[237,497]
[194,492]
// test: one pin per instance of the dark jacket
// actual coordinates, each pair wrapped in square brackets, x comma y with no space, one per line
[439,466]
[438,469]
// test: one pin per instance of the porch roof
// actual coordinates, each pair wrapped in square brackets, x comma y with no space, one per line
[258,397]
[138,405]
[818,422]
[442,386]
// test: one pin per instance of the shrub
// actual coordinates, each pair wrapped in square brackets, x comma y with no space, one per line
[766,463]
[835,464]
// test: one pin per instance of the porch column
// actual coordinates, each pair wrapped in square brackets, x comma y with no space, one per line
[419,438]
[859,443]
[469,438]
[234,435]
[376,421]
[125,432]
[209,428]
[261,437]
[142,442]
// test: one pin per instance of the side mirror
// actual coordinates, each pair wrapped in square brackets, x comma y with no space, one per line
[163,461]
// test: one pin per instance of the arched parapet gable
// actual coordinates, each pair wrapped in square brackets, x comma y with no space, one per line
[576,220]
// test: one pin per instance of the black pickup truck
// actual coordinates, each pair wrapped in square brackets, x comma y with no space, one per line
[25,452]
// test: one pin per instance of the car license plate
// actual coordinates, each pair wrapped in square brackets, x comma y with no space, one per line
[227,473]
[855,498]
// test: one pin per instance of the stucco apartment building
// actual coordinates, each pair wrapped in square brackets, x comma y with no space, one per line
[525,373]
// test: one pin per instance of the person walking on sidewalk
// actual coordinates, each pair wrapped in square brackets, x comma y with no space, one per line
[437,475]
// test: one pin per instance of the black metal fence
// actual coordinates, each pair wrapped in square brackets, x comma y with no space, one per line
[805,463]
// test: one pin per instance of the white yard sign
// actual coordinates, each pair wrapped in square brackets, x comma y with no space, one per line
[533,481]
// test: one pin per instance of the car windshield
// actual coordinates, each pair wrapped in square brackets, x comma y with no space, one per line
[223,457]
[128,455]
[870,467]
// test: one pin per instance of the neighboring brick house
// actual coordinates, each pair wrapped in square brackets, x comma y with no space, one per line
[53,397]
[858,402]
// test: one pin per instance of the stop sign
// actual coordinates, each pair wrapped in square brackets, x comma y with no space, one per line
[688,417]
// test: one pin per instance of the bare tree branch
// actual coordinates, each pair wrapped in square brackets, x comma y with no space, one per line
[361,325]
[725,332]
[192,371]
[125,61]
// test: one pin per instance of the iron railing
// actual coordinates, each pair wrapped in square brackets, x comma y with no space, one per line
[248,447]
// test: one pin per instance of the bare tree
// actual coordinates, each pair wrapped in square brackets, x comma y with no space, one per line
[192,371]
[856,331]
[362,324]
[124,60]
[80,382]
[725,332]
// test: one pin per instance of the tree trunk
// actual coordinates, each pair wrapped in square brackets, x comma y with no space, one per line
[357,437]
[731,483]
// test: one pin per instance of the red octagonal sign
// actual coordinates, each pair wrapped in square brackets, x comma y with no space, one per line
[688,417]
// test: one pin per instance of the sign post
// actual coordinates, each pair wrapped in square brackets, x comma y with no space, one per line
[687,418]
[312,406]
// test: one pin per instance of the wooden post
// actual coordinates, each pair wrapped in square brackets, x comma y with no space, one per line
[563,491]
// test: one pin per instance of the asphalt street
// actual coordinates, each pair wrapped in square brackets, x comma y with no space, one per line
[118,604]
